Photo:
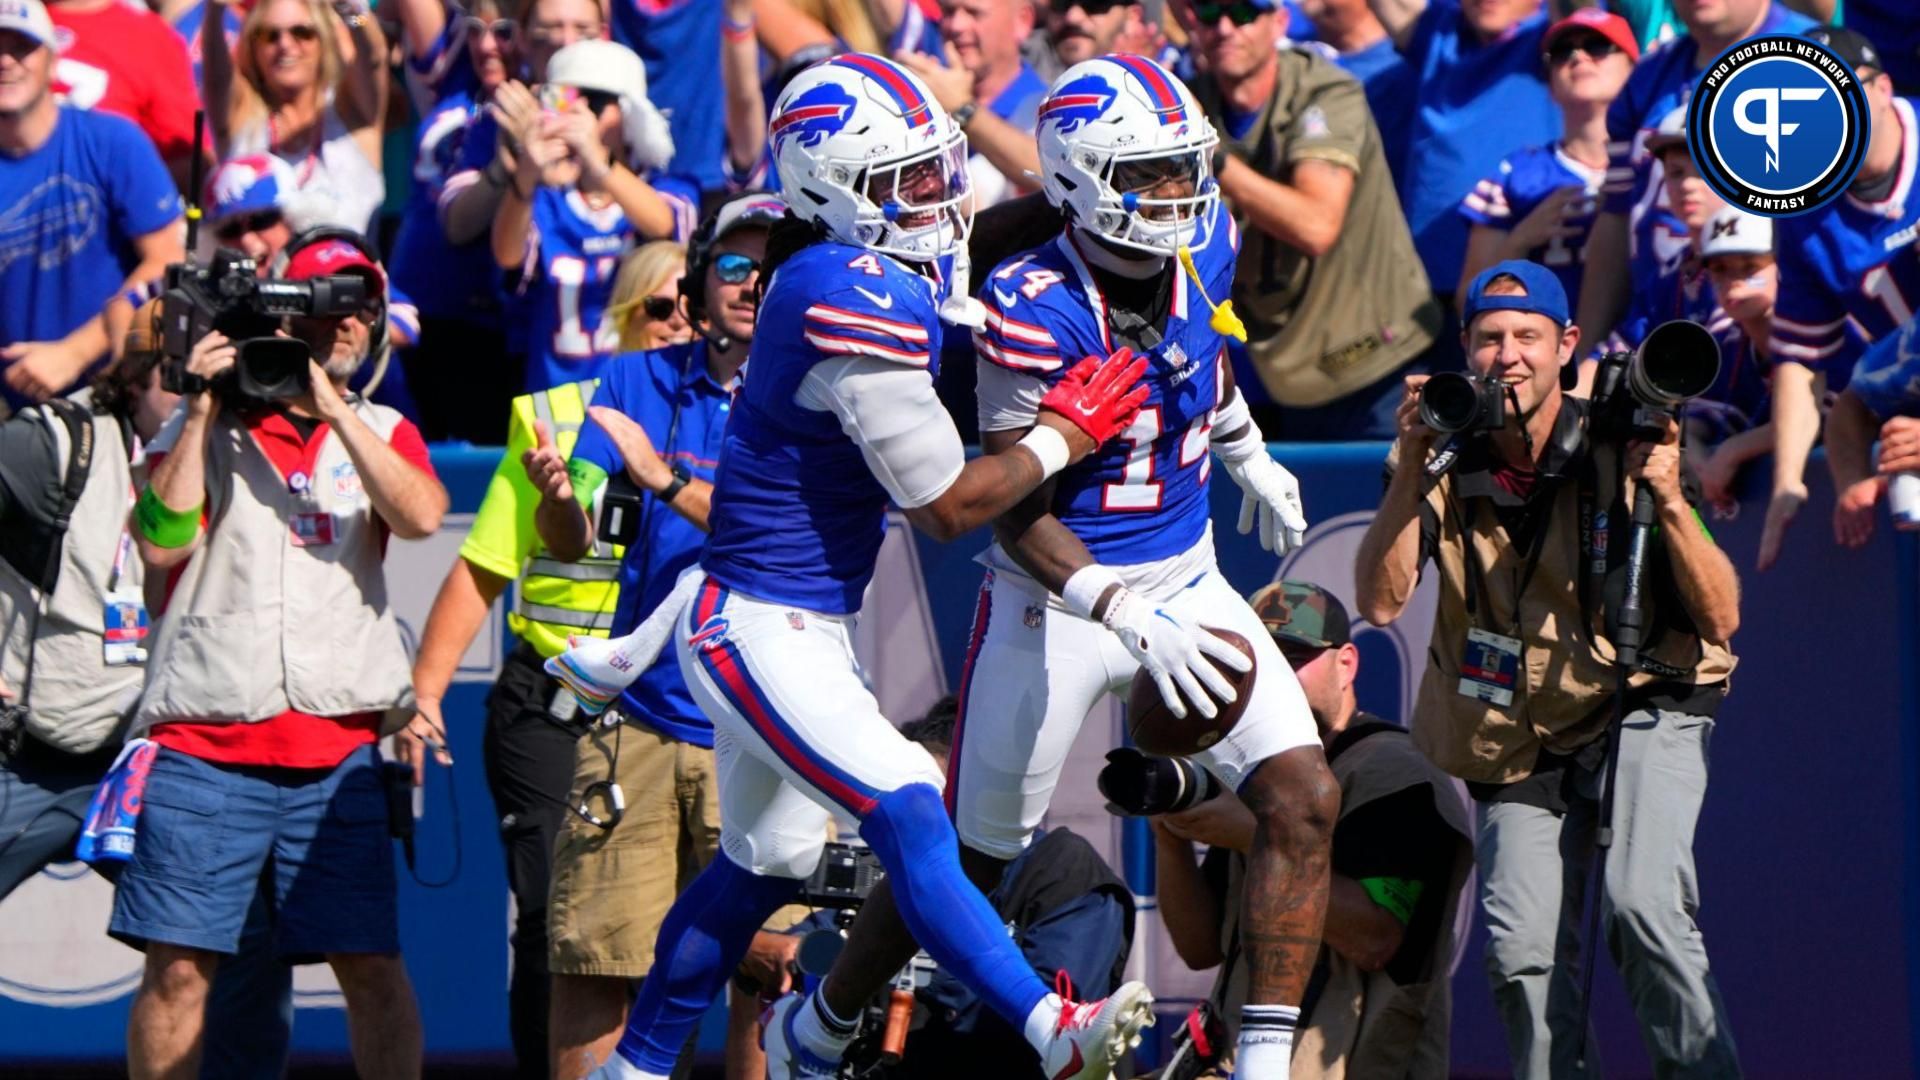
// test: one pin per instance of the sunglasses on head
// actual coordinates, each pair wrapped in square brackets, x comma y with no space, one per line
[658,308]
[733,268]
[500,28]
[1091,7]
[1596,48]
[303,33]
[1240,12]
[234,228]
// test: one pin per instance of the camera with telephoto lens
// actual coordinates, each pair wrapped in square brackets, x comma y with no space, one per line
[228,295]
[1452,403]
[1141,785]
[1636,393]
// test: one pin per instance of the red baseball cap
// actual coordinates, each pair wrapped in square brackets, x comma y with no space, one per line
[1606,24]
[333,256]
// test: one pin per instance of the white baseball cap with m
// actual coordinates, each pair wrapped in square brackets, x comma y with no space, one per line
[28,17]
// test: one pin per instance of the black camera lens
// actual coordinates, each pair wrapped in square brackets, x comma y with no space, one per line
[1450,402]
[1679,360]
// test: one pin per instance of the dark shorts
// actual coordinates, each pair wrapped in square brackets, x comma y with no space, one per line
[210,834]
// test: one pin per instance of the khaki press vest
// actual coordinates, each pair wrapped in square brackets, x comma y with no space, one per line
[258,625]
[78,701]
[1567,676]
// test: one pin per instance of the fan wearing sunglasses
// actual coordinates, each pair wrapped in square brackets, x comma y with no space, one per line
[1083,29]
[1540,204]
[585,188]
[308,86]
[645,311]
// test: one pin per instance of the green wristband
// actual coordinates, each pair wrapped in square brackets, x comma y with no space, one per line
[162,525]
[1397,895]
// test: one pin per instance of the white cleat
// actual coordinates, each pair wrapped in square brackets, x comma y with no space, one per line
[786,1058]
[1093,1036]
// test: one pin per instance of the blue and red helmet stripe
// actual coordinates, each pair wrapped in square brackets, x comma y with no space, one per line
[913,106]
[1166,100]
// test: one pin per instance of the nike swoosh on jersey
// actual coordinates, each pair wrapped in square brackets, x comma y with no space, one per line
[1005,300]
[882,302]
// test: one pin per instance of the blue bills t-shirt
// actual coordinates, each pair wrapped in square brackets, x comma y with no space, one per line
[72,210]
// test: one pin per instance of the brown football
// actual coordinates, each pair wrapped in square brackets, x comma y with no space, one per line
[1156,730]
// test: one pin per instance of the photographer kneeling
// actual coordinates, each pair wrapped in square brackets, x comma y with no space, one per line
[1527,529]
[275,670]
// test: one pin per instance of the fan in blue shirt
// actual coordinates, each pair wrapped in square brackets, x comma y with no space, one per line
[1480,94]
[1882,402]
[91,212]
[1541,202]
[679,41]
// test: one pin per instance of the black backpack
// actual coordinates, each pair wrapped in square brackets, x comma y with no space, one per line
[34,551]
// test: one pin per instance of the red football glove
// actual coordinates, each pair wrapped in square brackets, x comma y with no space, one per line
[1100,397]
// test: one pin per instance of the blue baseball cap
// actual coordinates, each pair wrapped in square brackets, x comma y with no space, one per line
[1544,296]
[243,185]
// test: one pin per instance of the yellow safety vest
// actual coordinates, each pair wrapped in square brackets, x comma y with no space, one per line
[553,598]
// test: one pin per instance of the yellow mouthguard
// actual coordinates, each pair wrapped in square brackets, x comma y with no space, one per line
[1224,322]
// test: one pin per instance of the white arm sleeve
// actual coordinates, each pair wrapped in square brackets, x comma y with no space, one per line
[1009,400]
[897,420]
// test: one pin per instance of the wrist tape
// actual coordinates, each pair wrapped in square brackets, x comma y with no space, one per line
[1082,591]
[1050,447]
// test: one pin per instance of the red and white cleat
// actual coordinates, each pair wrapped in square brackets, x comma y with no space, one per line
[1093,1036]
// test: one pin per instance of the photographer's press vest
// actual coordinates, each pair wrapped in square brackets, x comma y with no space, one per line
[1566,677]
[79,700]
[258,624]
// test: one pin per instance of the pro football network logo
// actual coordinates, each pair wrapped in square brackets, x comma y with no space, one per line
[1778,125]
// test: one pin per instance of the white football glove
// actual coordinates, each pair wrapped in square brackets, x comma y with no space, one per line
[1270,492]
[1175,653]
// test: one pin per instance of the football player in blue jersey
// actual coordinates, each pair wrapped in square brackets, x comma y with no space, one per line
[1108,568]
[837,420]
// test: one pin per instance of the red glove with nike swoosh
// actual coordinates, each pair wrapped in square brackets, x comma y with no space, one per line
[1100,397]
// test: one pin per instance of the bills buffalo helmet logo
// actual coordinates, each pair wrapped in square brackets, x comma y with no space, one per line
[711,635]
[813,116]
[1079,102]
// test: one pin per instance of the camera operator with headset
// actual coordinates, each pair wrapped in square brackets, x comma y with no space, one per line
[1525,523]
[279,662]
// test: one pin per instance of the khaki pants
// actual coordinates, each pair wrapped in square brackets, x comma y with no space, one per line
[612,887]
[1533,875]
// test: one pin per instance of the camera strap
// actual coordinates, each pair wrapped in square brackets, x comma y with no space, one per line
[1477,593]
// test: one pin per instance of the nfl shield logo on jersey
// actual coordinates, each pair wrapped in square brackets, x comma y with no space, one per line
[1032,616]
[796,620]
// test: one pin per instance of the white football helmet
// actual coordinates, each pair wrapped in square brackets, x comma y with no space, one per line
[1111,130]
[863,149]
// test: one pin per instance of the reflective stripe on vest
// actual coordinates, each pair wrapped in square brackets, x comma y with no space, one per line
[567,597]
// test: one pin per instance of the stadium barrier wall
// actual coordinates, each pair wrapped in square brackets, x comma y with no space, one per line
[1808,849]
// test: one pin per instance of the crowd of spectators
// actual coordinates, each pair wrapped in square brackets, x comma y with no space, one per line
[519,183]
